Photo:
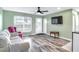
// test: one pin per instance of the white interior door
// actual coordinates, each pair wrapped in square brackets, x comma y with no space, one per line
[75,26]
[38,25]
[44,25]
[0,22]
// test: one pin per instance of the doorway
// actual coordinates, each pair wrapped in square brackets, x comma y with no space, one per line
[39,27]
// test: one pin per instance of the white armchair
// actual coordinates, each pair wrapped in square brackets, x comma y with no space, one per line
[4,41]
[14,45]
[18,45]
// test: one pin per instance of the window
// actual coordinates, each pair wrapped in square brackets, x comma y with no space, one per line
[23,24]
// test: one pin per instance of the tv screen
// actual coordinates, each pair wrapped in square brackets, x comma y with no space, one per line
[57,20]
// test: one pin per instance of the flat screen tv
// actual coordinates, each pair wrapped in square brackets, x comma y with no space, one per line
[57,20]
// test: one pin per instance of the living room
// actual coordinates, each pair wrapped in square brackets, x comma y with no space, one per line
[31,24]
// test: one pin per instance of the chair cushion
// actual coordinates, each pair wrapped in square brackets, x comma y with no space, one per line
[15,39]
[14,34]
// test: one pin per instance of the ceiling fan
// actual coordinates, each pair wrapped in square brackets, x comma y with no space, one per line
[41,11]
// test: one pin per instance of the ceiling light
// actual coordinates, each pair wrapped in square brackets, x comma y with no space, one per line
[38,13]
[58,8]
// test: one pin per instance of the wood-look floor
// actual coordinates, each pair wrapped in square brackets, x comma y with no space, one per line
[45,43]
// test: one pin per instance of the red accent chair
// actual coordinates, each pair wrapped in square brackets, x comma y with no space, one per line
[12,29]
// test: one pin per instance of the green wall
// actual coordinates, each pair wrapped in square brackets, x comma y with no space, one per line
[8,19]
[64,29]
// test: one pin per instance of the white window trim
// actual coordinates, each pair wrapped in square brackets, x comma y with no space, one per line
[23,28]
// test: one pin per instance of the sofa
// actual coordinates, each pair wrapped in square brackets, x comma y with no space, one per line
[12,44]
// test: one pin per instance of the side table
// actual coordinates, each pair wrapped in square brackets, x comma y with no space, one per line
[55,34]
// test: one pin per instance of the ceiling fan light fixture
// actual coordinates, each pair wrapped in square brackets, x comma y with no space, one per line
[58,8]
[38,13]
[41,11]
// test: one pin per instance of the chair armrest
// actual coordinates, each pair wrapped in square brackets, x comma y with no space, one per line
[20,47]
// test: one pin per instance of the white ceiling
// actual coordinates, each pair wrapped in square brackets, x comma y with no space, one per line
[32,10]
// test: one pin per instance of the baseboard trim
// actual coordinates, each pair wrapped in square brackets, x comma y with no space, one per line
[37,33]
[59,37]
[66,38]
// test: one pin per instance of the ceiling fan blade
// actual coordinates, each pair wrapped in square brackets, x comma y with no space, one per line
[45,11]
[41,12]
